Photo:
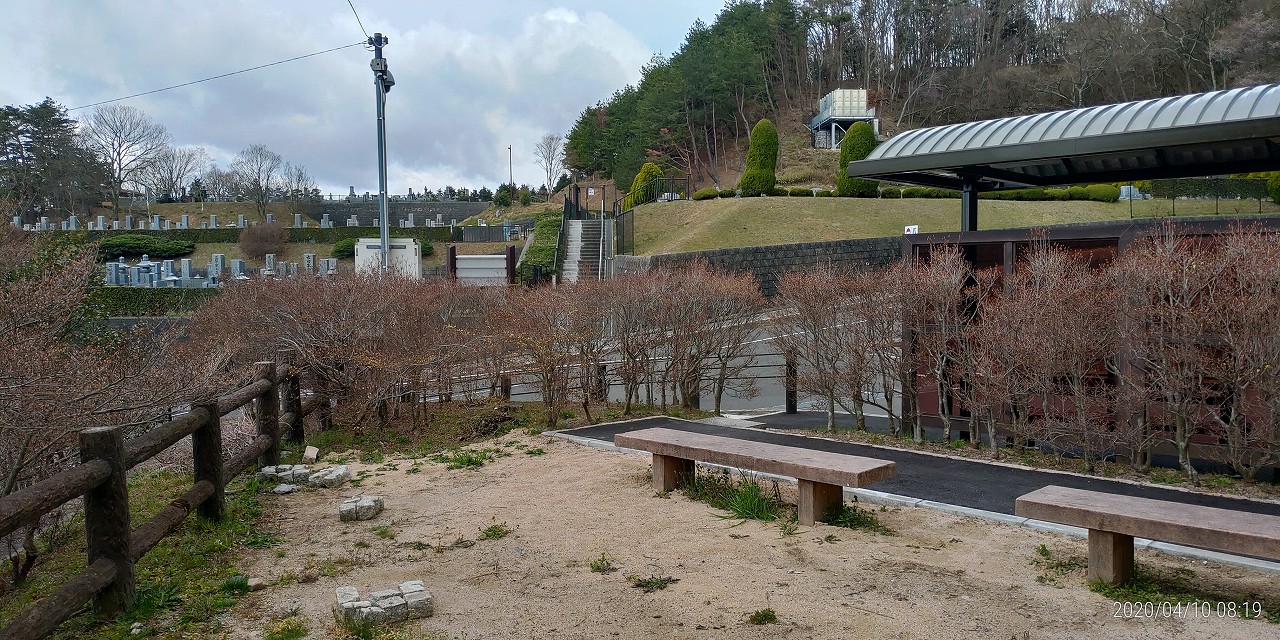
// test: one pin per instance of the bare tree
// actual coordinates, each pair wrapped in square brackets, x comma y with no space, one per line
[549,154]
[296,182]
[127,140]
[173,169]
[258,170]
[222,185]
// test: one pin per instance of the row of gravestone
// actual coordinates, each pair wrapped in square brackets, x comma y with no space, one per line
[163,274]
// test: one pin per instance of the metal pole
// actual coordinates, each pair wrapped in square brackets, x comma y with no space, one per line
[380,76]
[511,181]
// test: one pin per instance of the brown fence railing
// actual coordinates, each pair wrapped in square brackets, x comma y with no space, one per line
[105,459]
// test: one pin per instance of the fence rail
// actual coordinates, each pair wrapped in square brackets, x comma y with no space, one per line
[113,547]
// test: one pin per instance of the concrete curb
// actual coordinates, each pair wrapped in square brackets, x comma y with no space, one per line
[895,500]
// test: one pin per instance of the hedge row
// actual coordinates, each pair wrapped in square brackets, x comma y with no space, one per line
[130,302]
[308,234]
[133,245]
[546,232]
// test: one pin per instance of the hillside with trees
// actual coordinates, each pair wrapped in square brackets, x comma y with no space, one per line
[924,63]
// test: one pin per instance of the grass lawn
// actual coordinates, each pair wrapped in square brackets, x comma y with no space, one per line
[673,227]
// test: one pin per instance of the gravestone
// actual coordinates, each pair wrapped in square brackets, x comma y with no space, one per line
[135,276]
[185,223]
[237,268]
[113,274]
[128,223]
[155,222]
[166,225]
[204,225]
[115,225]
[269,261]
[325,223]
[17,221]
[73,223]
[271,218]
[102,222]
[240,221]
[297,220]
[185,268]
[213,221]
[219,263]
[64,226]
[410,221]
[309,262]
[166,268]
[353,221]
[293,269]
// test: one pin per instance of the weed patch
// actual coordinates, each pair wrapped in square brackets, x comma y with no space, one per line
[850,516]
[464,458]
[763,616]
[1179,587]
[652,583]
[287,629]
[495,531]
[747,499]
[1055,569]
[602,565]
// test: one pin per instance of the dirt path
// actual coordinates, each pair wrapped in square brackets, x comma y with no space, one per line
[942,576]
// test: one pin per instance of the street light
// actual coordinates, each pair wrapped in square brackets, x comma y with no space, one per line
[383,81]
[511,181]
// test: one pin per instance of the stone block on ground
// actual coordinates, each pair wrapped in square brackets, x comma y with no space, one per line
[257,584]
[309,455]
[331,477]
[410,601]
[360,508]
[282,489]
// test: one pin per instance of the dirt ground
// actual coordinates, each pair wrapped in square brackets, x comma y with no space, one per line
[941,576]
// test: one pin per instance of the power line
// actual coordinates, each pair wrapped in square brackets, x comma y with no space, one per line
[353,10]
[187,84]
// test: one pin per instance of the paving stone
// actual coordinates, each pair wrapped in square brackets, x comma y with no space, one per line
[396,607]
[411,586]
[360,508]
[347,594]
[331,477]
[420,604]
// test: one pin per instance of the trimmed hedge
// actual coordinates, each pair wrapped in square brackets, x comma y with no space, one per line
[706,194]
[762,161]
[823,193]
[546,232]
[347,248]
[800,192]
[130,302]
[309,234]
[891,193]
[134,245]
[728,193]
[858,142]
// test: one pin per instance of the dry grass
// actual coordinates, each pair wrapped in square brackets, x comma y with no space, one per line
[673,227]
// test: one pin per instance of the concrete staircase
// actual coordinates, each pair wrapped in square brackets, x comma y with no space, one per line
[582,251]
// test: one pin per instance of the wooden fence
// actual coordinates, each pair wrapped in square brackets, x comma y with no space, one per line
[113,546]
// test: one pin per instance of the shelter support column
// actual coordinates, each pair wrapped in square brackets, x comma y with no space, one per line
[969,205]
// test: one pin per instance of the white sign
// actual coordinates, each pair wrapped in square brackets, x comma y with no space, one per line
[591,191]
[912,228]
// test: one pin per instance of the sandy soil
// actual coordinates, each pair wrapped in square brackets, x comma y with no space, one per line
[942,576]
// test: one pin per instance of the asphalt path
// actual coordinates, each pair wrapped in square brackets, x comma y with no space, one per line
[977,485]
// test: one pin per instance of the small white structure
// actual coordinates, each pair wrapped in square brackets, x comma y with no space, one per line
[404,256]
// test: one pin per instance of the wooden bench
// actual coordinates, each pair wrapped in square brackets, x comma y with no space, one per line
[1114,520]
[821,475]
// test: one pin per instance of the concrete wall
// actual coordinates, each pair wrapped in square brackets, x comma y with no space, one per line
[766,263]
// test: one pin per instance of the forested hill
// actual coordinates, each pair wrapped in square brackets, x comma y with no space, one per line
[925,62]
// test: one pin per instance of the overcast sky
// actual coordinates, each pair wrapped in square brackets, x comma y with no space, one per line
[472,76]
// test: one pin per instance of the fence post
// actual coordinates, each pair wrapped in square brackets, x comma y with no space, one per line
[106,518]
[206,448]
[790,383]
[267,414]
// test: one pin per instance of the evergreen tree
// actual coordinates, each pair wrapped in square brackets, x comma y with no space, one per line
[762,161]
[858,143]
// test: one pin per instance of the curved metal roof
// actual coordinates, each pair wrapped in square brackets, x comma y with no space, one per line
[1231,131]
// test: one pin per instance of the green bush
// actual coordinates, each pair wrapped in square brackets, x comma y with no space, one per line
[132,302]
[1077,193]
[929,192]
[823,193]
[762,161]
[546,232]
[800,192]
[1273,187]
[642,188]
[346,248]
[728,193]
[858,142]
[891,193]
[132,245]
[756,183]
[778,192]
[1102,193]
[706,194]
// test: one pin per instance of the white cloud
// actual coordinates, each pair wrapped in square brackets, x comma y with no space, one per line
[472,77]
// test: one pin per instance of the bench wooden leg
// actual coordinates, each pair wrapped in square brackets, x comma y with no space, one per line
[1110,557]
[668,471]
[816,498]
